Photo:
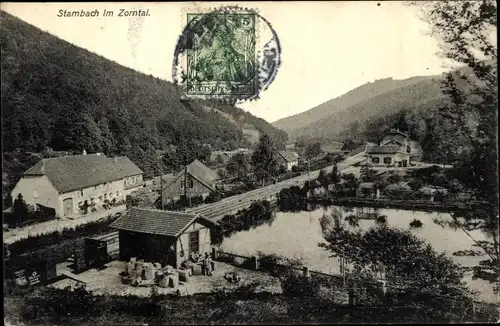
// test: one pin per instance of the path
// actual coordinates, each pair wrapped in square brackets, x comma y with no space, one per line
[15,235]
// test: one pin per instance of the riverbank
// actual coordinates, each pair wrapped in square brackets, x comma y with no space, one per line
[413,205]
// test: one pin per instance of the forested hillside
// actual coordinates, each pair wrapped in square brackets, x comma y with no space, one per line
[362,93]
[57,95]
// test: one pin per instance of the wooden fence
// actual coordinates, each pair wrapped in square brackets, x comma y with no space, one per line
[256,263]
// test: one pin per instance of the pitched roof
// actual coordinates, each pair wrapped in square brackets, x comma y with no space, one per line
[396,132]
[75,172]
[202,172]
[153,221]
[385,149]
[289,156]
[400,186]
[332,147]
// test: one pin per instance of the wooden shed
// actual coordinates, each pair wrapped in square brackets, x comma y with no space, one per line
[165,237]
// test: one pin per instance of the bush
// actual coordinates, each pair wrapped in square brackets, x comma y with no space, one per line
[292,199]
[300,286]
[213,197]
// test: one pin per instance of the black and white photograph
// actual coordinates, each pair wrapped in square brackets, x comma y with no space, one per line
[250,163]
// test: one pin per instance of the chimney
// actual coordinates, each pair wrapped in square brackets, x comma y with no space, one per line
[84,152]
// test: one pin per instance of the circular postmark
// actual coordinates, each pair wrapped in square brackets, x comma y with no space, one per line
[230,54]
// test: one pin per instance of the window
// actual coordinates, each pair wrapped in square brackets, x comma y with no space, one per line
[191,183]
[194,241]
[81,193]
[100,198]
[387,160]
[182,184]
[408,149]
[375,160]
[117,193]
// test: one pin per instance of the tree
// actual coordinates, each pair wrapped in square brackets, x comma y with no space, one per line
[264,159]
[367,174]
[334,176]
[466,31]
[323,179]
[219,159]
[20,210]
[415,184]
[411,269]
[238,165]
[313,150]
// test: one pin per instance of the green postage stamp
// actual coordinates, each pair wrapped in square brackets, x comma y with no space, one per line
[221,55]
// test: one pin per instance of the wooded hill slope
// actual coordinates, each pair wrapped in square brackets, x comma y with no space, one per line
[295,124]
[59,95]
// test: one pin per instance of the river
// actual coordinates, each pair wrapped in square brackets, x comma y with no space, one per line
[296,235]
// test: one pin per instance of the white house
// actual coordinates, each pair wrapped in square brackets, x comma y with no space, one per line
[67,183]
[394,150]
[288,159]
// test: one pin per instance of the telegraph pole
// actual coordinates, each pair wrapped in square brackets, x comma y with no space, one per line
[161,188]
[185,180]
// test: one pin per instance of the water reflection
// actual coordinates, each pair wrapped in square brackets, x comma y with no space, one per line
[297,234]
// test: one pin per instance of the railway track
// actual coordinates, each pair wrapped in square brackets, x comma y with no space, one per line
[232,204]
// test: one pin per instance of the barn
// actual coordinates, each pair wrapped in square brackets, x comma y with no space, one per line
[165,237]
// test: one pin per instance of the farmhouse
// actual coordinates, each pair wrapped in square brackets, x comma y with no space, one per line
[394,150]
[160,236]
[195,180]
[72,184]
[288,159]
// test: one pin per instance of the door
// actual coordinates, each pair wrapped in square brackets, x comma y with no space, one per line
[194,242]
[68,206]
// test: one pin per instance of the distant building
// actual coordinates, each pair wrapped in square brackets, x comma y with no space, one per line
[67,183]
[290,147]
[162,236]
[288,159]
[394,149]
[336,148]
[199,181]
[226,155]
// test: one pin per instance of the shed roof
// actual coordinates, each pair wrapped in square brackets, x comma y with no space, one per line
[159,222]
[202,172]
[400,186]
[367,185]
[68,173]
[289,156]
[332,147]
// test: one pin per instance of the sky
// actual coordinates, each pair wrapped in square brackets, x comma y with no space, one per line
[328,48]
